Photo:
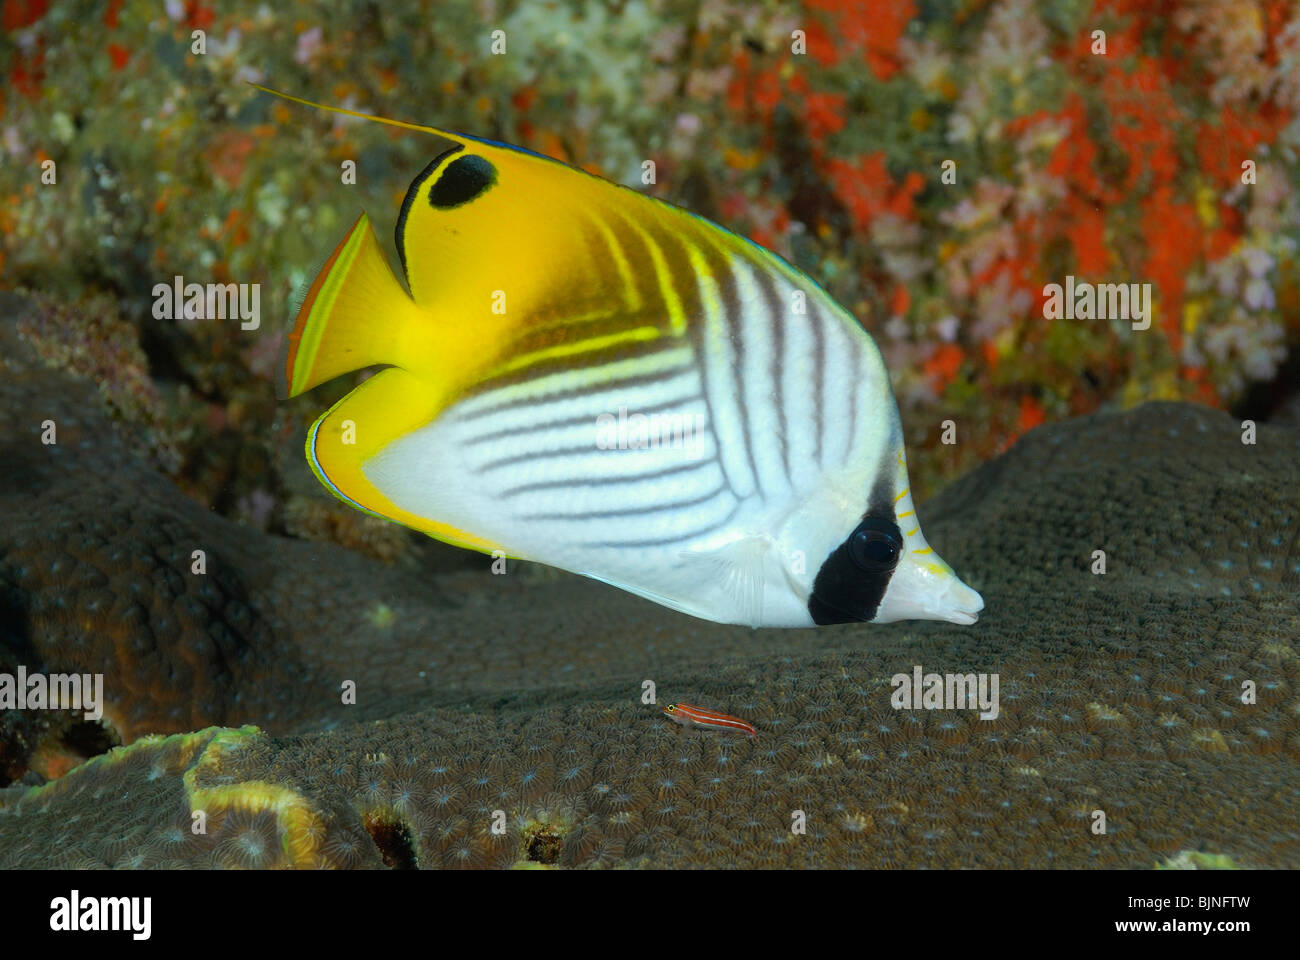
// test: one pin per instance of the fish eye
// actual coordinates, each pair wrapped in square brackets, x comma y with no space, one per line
[875,545]
[671,708]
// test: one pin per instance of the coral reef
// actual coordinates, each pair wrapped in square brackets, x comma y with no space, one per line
[1120,692]
[240,824]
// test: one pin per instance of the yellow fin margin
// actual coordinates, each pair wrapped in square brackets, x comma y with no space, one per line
[390,405]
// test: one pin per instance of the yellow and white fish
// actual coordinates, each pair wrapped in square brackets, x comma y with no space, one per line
[557,327]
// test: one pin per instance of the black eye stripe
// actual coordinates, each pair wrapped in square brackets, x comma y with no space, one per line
[462,180]
[409,199]
[851,583]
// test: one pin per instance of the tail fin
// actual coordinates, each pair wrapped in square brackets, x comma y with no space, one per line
[355,315]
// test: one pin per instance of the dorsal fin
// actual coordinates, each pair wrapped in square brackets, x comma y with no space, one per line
[451,138]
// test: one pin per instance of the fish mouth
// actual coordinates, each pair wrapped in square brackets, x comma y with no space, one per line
[961,605]
[954,603]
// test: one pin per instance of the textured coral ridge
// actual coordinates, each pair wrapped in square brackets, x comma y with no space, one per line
[135,807]
[1120,693]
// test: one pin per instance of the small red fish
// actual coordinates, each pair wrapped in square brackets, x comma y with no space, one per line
[692,716]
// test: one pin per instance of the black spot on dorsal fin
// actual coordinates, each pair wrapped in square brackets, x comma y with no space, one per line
[464,179]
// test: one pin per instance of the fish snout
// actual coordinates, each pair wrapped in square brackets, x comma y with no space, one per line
[958,604]
[927,589]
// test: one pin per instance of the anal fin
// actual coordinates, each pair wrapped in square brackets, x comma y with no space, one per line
[388,406]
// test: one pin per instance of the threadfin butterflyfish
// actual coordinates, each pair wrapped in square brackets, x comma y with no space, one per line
[598,380]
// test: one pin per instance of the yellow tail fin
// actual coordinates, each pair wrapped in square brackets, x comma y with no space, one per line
[355,315]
